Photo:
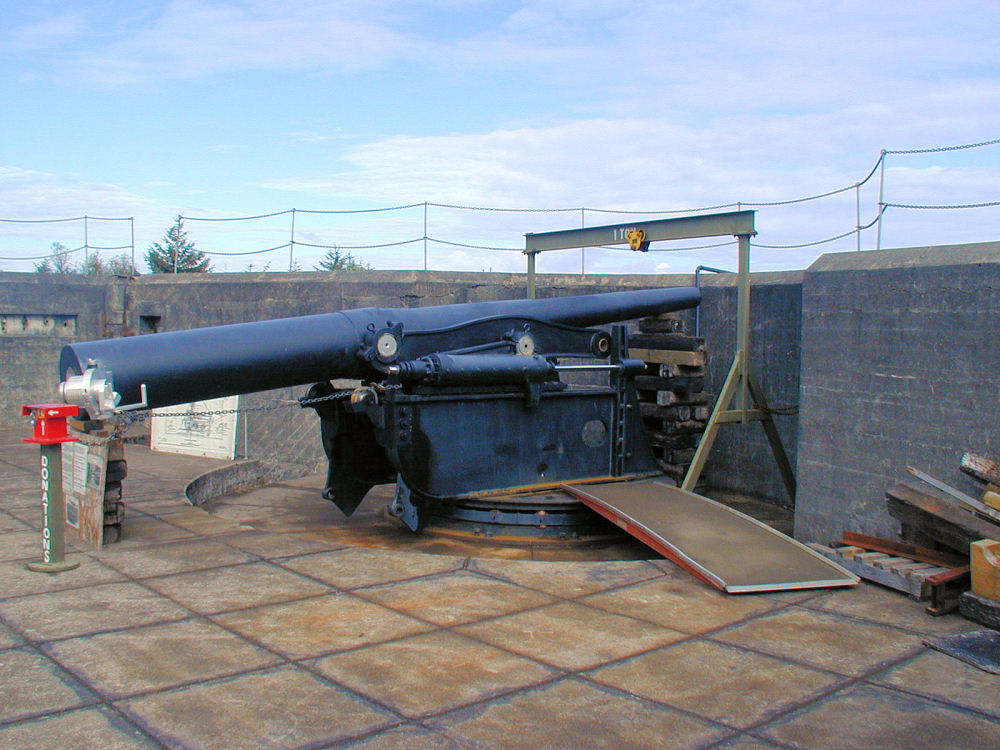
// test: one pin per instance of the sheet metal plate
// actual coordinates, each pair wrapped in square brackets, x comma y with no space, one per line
[722,546]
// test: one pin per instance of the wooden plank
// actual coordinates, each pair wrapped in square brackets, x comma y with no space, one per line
[667,357]
[969,503]
[938,519]
[667,341]
[939,485]
[983,510]
[910,551]
[980,467]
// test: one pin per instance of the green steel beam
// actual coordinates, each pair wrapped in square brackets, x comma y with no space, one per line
[735,223]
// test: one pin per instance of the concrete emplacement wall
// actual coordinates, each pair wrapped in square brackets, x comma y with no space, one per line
[891,357]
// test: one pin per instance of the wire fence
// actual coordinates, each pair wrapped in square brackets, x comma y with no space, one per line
[426,227]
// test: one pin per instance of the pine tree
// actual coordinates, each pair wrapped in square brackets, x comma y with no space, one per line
[177,254]
[334,261]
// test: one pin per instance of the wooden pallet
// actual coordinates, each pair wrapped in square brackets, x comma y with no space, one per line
[924,575]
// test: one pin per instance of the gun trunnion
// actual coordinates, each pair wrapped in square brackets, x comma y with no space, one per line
[455,400]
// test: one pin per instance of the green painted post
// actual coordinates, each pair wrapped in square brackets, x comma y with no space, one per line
[50,433]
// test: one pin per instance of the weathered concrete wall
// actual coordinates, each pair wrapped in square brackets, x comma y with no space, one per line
[29,345]
[900,366]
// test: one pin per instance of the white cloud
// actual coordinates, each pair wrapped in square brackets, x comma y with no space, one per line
[187,39]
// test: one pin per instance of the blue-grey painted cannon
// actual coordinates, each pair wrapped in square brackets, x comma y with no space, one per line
[453,401]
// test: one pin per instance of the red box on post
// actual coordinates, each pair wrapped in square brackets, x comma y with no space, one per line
[50,422]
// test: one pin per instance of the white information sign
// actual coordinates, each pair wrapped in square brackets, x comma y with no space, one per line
[75,467]
[188,429]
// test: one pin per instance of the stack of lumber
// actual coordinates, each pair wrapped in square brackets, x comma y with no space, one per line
[982,604]
[675,407]
[961,522]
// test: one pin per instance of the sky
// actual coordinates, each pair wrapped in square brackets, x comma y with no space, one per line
[221,109]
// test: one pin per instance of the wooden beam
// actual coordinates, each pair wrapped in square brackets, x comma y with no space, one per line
[944,559]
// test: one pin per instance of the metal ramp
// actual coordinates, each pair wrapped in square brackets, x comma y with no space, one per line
[719,545]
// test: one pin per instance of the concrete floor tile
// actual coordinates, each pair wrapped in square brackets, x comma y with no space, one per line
[824,640]
[32,685]
[455,598]
[275,709]
[431,673]
[236,587]
[745,742]
[354,567]
[202,523]
[269,546]
[575,714]
[940,676]
[406,737]
[722,683]
[83,729]
[139,531]
[687,605]
[17,580]
[108,606]
[8,638]
[158,656]
[571,636]
[9,523]
[567,579]
[310,627]
[868,717]
[175,557]
[878,604]
[30,517]
[21,545]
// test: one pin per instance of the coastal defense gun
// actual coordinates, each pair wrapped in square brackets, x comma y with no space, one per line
[449,402]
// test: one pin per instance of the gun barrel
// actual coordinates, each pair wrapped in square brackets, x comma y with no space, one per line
[194,365]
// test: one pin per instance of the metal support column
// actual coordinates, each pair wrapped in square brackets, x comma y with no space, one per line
[740,391]
[531,272]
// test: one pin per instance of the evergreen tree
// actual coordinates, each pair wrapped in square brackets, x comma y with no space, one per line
[334,261]
[177,254]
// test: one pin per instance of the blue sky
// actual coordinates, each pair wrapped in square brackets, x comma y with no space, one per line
[216,109]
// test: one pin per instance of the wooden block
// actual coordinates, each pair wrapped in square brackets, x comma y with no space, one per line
[848,553]
[980,467]
[890,563]
[991,498]
[666,341]
[666,323]
[924,573]
[907,567]
[870,558]
[985,564]
[668,357]
[980,609]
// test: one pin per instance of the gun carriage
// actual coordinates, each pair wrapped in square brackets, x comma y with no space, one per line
[455,402]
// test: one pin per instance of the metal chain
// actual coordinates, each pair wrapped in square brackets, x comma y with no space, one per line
[126,419]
